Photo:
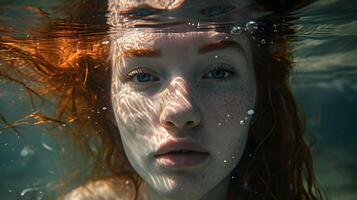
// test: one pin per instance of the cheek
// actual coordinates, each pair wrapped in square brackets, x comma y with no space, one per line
[131,108]
[232,104]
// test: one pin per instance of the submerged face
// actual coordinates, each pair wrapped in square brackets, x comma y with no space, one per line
[190,86]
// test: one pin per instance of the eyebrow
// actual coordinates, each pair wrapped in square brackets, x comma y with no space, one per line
[219,45]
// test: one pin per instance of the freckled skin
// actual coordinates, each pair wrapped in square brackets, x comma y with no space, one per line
[181,95]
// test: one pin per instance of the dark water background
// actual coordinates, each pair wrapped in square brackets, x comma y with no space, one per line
[324,82]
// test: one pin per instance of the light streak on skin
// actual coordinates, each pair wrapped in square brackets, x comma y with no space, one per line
[141,115]
[142,112]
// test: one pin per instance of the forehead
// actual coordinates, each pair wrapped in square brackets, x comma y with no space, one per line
[139,39]
[174,42]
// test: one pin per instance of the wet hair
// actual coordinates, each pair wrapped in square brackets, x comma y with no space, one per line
[72,66]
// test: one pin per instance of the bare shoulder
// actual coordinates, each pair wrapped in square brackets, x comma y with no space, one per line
[105,189]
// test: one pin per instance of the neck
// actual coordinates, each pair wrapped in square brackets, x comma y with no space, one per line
[220,191]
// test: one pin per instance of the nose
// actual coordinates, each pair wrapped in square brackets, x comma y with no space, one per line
[180,110]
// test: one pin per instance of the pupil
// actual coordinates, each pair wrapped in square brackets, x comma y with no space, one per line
[218,74]
[143,77]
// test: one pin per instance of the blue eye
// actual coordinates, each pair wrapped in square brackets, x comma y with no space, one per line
[138,75]
[221,72]
[143,77]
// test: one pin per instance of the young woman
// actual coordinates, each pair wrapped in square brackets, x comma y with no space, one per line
[180,114]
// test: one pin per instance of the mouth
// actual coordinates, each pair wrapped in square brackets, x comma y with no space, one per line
[180,153]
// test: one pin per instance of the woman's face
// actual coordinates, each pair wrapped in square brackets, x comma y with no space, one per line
[189,86]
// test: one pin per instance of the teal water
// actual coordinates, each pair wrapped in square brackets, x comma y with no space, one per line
[324,82]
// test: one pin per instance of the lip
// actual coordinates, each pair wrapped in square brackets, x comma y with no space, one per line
[179,144]
[168,158]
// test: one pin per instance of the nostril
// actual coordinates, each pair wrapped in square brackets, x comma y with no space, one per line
[169,124]
[190,123]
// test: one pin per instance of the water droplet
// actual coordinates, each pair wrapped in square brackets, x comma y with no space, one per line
[10,190]
[64,125]
[275,28]
[105,42]
[242,122]
[181,188]
[98,112]
[218,152]
[5,144]
[219,123]
[228,115]
[23,192]
[233,157]
[27,151]
[127,182]
[250,112]
[263,41]
[46,146]
[245,118]
[251,26]
[104,108]
[232,177]
[237,30]
[215,56]
[225,161]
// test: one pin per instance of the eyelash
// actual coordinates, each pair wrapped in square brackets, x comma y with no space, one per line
[221,66]
[226,68]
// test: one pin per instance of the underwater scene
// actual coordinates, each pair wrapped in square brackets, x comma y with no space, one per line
[38,160]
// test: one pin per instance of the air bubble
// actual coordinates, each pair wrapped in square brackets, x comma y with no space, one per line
[237,30]
[242,122]
[250,112]
[275,28]
[251,26]
[27,151]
